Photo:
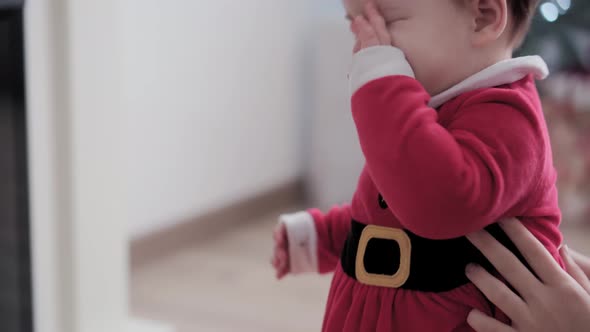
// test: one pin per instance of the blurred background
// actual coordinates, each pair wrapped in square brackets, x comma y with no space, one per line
[163,139]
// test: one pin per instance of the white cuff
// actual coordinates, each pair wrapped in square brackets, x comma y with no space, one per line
[303,243]
[376,62]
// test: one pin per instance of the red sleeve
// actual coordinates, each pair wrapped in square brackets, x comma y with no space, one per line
[447,182]
[332,229]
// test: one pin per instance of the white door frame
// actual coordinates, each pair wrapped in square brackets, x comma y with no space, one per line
[79,229]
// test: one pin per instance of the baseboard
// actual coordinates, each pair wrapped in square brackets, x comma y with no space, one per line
[141,325]
[161,243]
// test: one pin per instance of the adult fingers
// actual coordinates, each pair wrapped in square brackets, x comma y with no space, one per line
[497,292]
[581,260]
[533,251]
[506,263]
[481,322]
[574,270]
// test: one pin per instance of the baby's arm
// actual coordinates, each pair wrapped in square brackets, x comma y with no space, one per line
[314,240]
[445,182]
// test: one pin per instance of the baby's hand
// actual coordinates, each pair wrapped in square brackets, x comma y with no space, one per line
[280,259]
[370,31]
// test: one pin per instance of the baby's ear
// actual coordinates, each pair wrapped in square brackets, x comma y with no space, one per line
[490,19]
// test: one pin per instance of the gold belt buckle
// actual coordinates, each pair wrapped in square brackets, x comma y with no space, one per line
[386,233]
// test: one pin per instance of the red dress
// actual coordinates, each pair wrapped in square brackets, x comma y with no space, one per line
[446,166]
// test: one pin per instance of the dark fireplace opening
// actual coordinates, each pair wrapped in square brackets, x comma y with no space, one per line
[15,258]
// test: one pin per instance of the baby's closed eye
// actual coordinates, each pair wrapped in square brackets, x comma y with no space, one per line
[394,20]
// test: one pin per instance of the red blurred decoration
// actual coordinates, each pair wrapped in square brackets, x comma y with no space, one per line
[567,108]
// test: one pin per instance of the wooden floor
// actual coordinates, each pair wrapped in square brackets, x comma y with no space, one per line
[227,284]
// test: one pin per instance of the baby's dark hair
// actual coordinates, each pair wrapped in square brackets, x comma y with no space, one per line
[523,12]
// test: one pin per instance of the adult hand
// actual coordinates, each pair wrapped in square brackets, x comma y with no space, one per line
[557,301]
[582,261]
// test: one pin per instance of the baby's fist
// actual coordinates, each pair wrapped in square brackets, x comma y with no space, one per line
[280,260]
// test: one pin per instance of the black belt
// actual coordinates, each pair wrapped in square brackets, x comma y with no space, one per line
[398,258]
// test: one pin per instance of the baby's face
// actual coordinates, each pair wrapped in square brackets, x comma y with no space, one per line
[434,35]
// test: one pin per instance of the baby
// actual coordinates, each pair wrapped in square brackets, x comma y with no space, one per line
[454,138]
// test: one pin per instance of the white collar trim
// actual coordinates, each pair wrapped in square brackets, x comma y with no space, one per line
[503,72]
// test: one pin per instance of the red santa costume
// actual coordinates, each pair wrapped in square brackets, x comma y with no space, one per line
[436,169]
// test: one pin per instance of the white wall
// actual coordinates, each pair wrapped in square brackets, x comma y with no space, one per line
[213,101]
[329,8]
[334,158]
